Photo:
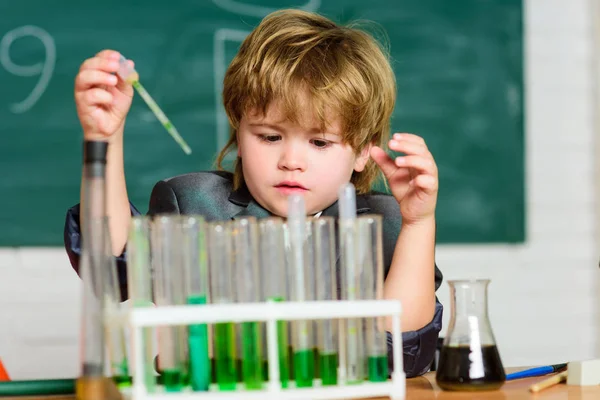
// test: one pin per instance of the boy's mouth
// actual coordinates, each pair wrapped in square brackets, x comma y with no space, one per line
[289,187]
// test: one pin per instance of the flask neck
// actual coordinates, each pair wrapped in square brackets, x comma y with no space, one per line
[469,299]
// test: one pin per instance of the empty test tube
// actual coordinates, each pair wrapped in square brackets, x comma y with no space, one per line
[273,277]
[168,288]
[221,290]
[324,259]
[370,232]
[245,248]
[195,268]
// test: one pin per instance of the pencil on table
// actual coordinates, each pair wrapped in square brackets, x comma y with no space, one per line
[546,383]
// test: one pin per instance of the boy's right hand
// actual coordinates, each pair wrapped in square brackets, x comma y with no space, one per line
[102,98]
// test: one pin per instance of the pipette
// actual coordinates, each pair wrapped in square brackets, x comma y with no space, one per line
[303,352]
[351,363]
[130,75]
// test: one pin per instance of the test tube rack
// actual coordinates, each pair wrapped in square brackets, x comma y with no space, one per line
[270,313]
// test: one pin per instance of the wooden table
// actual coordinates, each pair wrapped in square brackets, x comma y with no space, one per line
[424,388]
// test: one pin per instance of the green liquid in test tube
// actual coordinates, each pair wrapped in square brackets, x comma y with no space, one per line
[196,277]
[352,360]
[221,289]
[304,361]
[114,329]
[371,251]
[139,283]
[245,248]
[325,259]
[130,75]
[273,277]
[168,285]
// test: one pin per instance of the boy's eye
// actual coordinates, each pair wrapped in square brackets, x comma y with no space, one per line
[320,143]
[270,138]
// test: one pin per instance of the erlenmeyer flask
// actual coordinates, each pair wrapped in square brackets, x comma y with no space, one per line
[469,359]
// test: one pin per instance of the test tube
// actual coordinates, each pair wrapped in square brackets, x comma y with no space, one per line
[245,249]
[324,248]
[139,283]
[311,294]
[352,361]
[301,332]
[195,269]
[370,232]
[114,329]
[221,290]
[93,266]
[273,276]
[168,289]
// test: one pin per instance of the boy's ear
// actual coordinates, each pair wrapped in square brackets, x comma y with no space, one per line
[362,158]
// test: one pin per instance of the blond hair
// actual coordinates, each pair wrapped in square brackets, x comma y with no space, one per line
[343,68]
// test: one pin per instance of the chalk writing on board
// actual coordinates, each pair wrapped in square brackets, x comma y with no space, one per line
[43,69]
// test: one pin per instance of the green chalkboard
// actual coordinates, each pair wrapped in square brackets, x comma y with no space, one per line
[460,85]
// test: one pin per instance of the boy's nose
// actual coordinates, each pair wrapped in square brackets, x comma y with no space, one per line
[292,158]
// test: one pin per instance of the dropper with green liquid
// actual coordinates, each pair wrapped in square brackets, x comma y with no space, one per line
[130,75]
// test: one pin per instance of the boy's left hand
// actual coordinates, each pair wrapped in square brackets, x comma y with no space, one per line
[413,178]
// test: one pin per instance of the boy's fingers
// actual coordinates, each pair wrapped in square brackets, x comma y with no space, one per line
[409,136]
[408,147]
[427,183]
[422,164]
[385,163]
[103,64]
[90,77]
[98,96]
[111,54]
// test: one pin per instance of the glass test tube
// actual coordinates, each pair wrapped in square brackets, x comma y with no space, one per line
[245,246]
[193,253]
[371,244]
[311,294]
[352,361]
[93,264]
[301,332]
[114,329]
[221,290]
[139,283]
[168,289]
[273,277]
[324,249]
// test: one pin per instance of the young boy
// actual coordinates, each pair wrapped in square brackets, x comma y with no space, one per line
[309,103]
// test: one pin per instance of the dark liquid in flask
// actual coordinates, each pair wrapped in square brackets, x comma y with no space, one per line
[460,368]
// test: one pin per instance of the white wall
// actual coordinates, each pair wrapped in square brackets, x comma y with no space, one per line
[544,295]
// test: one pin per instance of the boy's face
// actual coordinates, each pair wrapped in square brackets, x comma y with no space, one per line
[280,158]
